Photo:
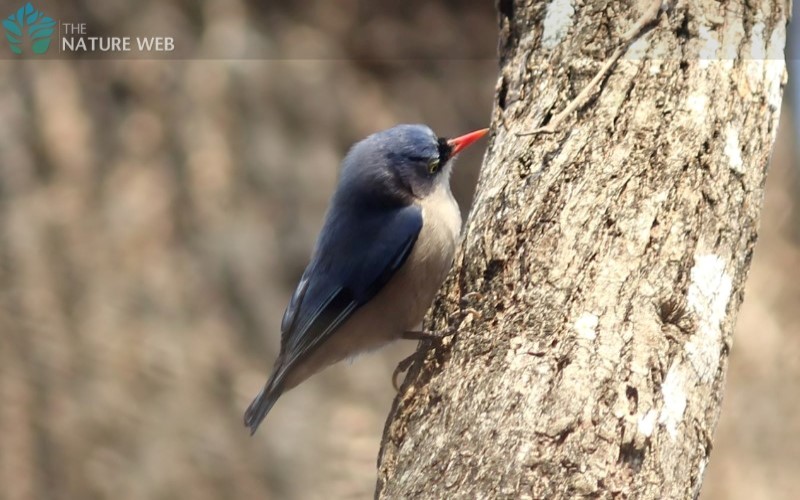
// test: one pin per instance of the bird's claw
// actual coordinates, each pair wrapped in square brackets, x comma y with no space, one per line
[402,367]
[431,336]
[419,335]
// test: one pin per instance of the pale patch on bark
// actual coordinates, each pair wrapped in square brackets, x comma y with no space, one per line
[557,22]
[733,150]
[697,103]
[638,49]
[586,326]
[708,296]
[758,46]
[733,34]
[673,391]
[647,423]
[775,71]
[767,64]
[710,46]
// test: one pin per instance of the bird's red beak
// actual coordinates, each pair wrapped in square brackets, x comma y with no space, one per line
[460,143]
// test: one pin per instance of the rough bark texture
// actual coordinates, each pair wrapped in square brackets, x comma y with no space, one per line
[597,285]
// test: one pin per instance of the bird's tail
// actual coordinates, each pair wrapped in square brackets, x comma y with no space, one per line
[263,403]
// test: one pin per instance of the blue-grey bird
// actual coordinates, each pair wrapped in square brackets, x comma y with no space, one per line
[385,248]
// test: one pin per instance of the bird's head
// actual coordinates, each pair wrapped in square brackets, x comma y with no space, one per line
[402,163]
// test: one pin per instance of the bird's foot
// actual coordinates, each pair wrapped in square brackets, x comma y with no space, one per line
[423,335]
[406,363]
[401,368]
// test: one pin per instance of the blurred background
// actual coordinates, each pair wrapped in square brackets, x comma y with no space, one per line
[156,214]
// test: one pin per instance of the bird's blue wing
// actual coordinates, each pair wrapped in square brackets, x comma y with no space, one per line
[356,257]
[358,253]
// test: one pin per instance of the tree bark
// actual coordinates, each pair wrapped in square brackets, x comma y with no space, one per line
[602,266]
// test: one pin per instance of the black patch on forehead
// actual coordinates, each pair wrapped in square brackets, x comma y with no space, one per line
[445,150]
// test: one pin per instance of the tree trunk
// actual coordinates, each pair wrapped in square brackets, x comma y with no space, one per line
[602,266]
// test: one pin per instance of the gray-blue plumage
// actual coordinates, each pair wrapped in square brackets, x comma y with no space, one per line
[385,248]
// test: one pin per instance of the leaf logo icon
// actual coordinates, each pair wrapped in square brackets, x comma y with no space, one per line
[29,26]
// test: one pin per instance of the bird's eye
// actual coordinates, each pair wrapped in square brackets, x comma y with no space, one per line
[433,165]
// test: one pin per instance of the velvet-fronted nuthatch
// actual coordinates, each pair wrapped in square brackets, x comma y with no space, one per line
[385,248]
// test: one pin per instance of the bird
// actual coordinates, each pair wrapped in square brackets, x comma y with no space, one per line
[386,246]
